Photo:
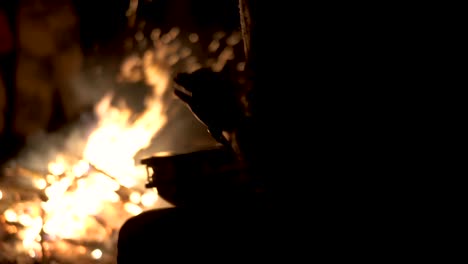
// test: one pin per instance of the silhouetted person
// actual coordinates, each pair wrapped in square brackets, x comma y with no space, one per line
[222,212]
[218,216]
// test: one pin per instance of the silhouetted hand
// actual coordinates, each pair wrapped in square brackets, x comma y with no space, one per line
[213,99]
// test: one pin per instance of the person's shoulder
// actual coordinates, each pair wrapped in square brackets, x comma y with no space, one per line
[153,217]
[156,222]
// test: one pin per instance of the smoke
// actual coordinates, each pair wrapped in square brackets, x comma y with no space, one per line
[131,83]
[43,147]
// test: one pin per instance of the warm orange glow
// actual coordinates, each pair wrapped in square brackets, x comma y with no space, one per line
[96,254]
[88,196]
[78,190]
[149,198]
[80,194]
[133,208]
[10,215]
[113,145]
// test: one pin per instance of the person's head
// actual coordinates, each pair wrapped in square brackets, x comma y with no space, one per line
[207,176]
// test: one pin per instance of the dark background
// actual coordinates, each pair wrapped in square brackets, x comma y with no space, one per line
[102,21]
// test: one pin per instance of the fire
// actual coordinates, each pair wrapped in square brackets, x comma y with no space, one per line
[80,193]
[112,146]
[86,197]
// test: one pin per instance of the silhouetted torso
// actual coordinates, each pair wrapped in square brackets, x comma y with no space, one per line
[216,217]
[207,234]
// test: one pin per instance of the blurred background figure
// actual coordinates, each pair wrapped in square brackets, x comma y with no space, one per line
[41,60]
[6,36]
[6,71]
[48,62]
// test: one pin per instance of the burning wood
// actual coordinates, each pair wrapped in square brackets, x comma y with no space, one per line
[29,223]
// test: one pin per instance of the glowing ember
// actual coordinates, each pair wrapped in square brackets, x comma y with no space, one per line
[149,199]
[96,254]
[10,215]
